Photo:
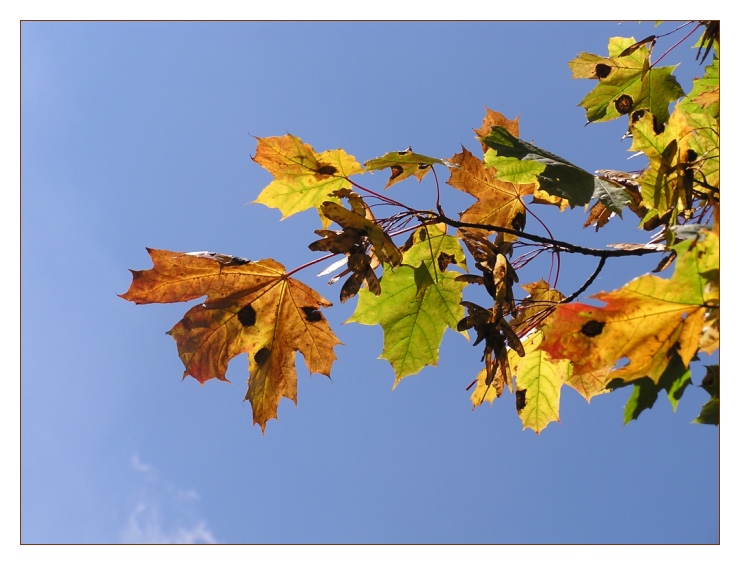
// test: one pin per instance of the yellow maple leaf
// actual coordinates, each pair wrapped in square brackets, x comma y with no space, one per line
[303,178]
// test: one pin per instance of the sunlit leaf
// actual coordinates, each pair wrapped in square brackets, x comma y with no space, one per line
[303,178]
[642,323]
[627,82]
[499,203]
[251,307]
[417,305]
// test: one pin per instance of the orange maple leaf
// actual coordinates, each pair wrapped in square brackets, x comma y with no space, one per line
[499,202]
[648,322]
[251,307]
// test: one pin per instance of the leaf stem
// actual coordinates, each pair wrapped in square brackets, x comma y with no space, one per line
[380,196]
[310,263]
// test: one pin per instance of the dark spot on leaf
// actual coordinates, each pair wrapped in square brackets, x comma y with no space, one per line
[444,260]
[247,316]
[327,170]
[691,156]
[624,104]
[262,356]
[423,166]
[239,261]
[519,221]
[405,151]
[602,71]
[521,399]
[637,115]
[658,128]
[592,328]
[186,324]
[396,170]
[312,314]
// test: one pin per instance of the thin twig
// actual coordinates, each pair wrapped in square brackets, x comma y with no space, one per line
[591,279]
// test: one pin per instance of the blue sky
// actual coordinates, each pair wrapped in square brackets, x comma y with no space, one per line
[139,134]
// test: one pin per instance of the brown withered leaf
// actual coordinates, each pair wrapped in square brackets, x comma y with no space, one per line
[251,307]
[599,215]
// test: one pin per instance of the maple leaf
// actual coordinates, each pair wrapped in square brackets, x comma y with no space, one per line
[403,164]
[303,178]
[538,383]
[251,307]
[646,322]
[499,203]
[627,82]
[493,119]
[664,185]
[539,378]
[420,300]
[541,298]
[551,173]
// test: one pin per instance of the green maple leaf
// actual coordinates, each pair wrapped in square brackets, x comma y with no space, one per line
[555,175]
[303,178]
[627,82]
[420,300]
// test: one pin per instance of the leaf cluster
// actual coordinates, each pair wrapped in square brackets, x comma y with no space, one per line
[409,269]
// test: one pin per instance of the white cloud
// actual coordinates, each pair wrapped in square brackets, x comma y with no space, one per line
[146,525]
[137,465]
[163,513]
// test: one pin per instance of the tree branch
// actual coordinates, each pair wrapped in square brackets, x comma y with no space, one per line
[554,244]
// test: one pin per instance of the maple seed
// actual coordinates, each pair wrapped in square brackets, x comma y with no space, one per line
[624,104]
[262,355]
[327,170]
[602,71]
[247,316]
[312,314]
[521,399]
[592,328]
